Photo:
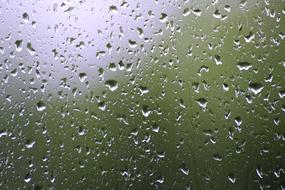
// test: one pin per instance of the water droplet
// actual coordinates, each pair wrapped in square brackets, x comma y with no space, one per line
[31,50]
[112,84]
[145,110]
[255,87]
[26,18]
[218,60]
[202,102]
[132,43]
[244,66]
[27,178]
[30,143]
[163,17]
[232,178]
[184,169]
[41,106]
[197,12]
[113,9]
[19,45]
[82,77]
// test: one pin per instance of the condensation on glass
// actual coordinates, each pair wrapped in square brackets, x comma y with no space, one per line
[142,94]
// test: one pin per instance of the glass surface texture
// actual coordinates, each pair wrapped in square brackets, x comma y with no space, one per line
[142,94]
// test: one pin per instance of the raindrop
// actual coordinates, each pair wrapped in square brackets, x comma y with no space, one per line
[41,106]
[111,84]
[232,178]
[27,178]
[30,143]
[244,66]
[26,18]
[255,87]
[31,50]
[163,17]
[202,102]
[82,77]
[19,45]
[145,110]
[113,9]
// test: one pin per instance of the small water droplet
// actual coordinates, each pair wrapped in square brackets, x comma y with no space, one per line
[202,102]
[112,84]
[30,143]
[244,66]
[19,45]
[26,18]
[255,87]
[41,106]
[82,77]
[31,50]
[232,178]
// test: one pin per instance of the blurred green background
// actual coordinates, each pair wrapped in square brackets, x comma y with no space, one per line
[204,109]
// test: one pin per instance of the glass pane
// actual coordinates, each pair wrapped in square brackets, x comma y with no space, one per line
[142,94]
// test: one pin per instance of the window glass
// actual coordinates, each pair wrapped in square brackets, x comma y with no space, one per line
[142,94]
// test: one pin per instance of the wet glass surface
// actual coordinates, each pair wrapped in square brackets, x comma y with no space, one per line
[142,94]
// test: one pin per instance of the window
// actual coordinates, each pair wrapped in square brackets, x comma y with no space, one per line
[142,94]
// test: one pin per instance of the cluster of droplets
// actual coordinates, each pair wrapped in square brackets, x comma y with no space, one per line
[153,95]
